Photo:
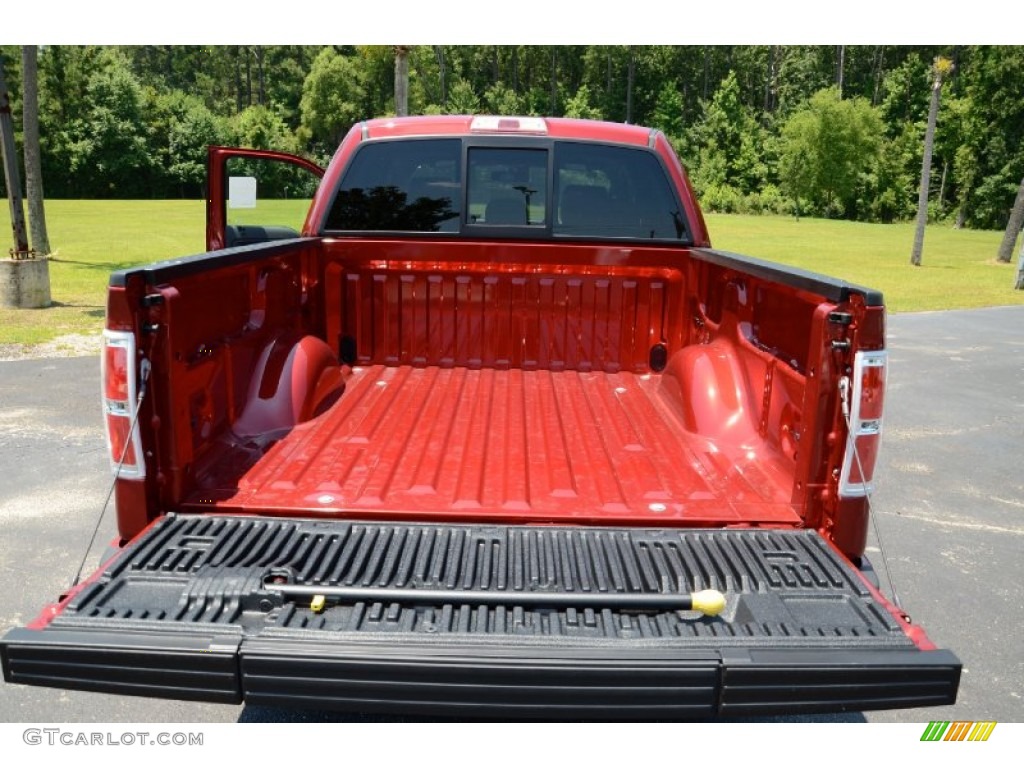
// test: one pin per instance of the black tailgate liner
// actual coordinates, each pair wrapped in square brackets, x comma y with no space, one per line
[190,611]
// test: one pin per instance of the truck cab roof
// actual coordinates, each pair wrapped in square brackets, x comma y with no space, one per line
[464,125]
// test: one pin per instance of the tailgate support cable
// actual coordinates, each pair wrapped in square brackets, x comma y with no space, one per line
[144,367]
[844,398]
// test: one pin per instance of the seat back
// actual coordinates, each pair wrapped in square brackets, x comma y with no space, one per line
[505,209]
[584,205]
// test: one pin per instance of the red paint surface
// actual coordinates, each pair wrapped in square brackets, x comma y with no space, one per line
[444,443]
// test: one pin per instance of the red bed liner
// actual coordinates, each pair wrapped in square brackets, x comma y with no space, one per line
[510,445]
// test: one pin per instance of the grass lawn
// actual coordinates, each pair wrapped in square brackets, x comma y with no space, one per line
[93,238]
[958,271]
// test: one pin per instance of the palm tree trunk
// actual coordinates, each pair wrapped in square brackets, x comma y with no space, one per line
[12,178]
[239,106]
[24,281]
[707,71]
[942,188]
[926,170]
[439,54]
[33,164]
[554,79]
[1013,226]
[248,77]
[840,67]
[1019,285]
[401,80]
[261,78]
[630,81]
[879,71]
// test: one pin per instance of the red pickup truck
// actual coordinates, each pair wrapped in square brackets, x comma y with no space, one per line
[471,443]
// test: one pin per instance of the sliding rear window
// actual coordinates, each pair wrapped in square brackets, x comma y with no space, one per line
[508,187]
[533,188]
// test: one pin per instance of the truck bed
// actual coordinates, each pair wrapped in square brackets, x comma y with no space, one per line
[443,443]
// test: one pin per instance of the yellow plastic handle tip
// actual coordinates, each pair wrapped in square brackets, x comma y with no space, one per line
[710,602]
[317,603]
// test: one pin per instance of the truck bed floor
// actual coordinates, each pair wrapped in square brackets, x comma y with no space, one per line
[512,445]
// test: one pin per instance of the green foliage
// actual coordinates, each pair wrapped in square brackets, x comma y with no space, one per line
[721,198]
[64,73]
[579,106]
[261,128]
[729,144]
[826,147]
[133,121]
[332,98]
[906,93]
[462,100]
[110,156]
[501,100]
[10,59]
[668,111]
[604,75]
[287,67]
[803,71]
[182,127]
[888,187]
[990,161]
[768,200]
[373,70]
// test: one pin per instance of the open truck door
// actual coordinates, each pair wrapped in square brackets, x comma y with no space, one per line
[255,196]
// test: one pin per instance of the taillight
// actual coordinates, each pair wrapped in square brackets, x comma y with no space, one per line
[120,388]
[865,405]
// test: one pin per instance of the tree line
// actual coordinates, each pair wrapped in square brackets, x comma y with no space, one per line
[833,131]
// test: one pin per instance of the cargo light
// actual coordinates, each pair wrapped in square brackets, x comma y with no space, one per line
[118,374]
[494,124]
[863,411]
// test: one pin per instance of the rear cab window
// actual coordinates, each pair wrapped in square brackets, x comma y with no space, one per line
[534,188]
[401,186]
[507,187]
[614,192]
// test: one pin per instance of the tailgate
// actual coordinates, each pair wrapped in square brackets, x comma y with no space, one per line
[492,620]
